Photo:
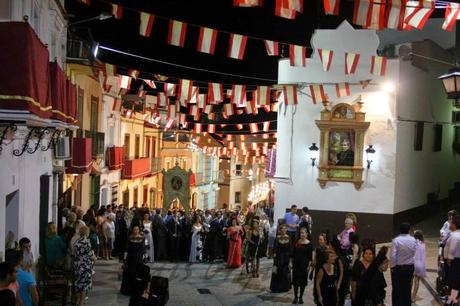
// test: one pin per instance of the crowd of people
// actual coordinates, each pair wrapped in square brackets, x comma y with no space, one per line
[340,266]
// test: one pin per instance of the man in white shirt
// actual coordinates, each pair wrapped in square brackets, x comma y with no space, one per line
[452,256]
[445,229]
[402,266]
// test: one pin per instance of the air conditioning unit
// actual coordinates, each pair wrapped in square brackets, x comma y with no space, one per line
[62,148]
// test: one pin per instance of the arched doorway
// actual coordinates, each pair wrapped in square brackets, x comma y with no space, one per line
[194,200]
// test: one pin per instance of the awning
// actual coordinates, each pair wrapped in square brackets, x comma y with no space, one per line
[81,156]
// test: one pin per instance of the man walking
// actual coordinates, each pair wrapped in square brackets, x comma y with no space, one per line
[402,266]
[292,221]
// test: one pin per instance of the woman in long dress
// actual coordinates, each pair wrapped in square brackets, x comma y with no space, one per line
[83,264]
[196,247]
[281,275]
[234,233]
[326,282]
[420,258]
[301,262]
[148,237]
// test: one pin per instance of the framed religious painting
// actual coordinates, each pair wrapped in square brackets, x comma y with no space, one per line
[342,130]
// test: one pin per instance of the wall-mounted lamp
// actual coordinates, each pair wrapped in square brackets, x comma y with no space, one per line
[314,152]
[369,150]
[451,82]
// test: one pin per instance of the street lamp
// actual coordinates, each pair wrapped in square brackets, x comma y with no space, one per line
[369,150]
[313,153]
[451,82]
[101,16]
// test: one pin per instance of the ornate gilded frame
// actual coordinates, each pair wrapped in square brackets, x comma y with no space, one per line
[346,125]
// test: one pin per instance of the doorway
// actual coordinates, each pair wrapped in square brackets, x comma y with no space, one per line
[44,210]
[12,214]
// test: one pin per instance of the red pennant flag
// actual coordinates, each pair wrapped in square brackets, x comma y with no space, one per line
[194,110]
[117,103]
[247,3]
[211,128]
[263,95]
[271,47]
[326,58]
[251,108]
[253,128]
[317,93]
[342,90]
[150,83]
[369,14]
[197,128]
[266,136]
[238,94]
[297,56]
[207,40]
[185,90]
[451,16]
[239,126]
[215,92]
[331,7]
[378,65]
[146,24]
[228,109]
[236,46]
[266,127]
[283,9]
[254,146]
[176,33]
[394,17]
[169,124]
[117,11]
[290,94]
[212,116]
[351,62]
[418,16]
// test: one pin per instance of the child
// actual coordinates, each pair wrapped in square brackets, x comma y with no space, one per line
[420,258]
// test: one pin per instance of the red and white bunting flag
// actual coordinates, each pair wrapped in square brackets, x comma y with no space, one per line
[162,99]
[211,128]
[182,118]
[223,125]
[197,128]
[141,93]
[228,109]
[266,136]
[133,73]
[254,146]
[201,101]
[104,80]
[297,56]
[253,128]
[117,11]
[394,17]
[170,89]
[331,7]
[247,3]
[194,110]
[239,111]
[263,95]
[271,47]
[251,107]
[150,83]
[267,108]
[207,109]
[317,93]
[171,111]
[242,138]
[264,151]
[451,16]
[146,24]
[326,58]
[238,94]
[124,81]
[194,95]
[378,65]
[110,69]
[239,126]
[290,94]
[151,101]
[185,90]
[266,127]
[169,124]
[236,46]
[342,90]
[212,116]
[117,104]
[207,40]
[369,14]
[235,151]
[243,146]
[283,9]
[229,137]
[176,33]
[417,13]
[215,92]
[351,62]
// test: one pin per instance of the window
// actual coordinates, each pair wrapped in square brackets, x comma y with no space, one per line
[94,113]
[437,138]
[137,146]
[237,197]
[238,170]
[126,198]
[135,196]
[115,194]
[205,201]
[126,147]
[169,137]
[145,195]
[154,147]
[95,190]
[147,147]
[152,203]
[5,9]
[418,139]
[80,102]
[208,168]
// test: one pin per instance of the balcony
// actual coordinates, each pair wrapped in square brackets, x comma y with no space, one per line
[97,139]
[81,156]
[155,165]
[78,49]
[209,177]
[114,158]
[134,168]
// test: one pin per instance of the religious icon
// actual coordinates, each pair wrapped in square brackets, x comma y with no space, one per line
[176,183]
[341,148]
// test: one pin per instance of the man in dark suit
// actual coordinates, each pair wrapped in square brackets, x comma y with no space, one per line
[346,157]
[160,233]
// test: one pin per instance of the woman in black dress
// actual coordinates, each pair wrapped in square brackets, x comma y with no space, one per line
[281,276]
[319,260]
[254,237]
[134,257]
[326,282]
[301,262]
[376,278]
[361,278]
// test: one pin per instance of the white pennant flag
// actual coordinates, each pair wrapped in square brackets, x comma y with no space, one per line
[451,16]
[215,92]
[176,33]
[146,24]
[326,58]
[237,45]
[317,93]
[378,65]
[263,95]
[417,13]
[342,90]
[297,56]
[207,40]
[238,94]
[351,62]
[271,47]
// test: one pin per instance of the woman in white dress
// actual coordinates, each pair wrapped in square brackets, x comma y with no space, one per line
[197,245]
[148,236]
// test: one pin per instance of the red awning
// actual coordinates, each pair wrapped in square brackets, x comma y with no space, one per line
[81,156]
[115,158]
[192,180]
